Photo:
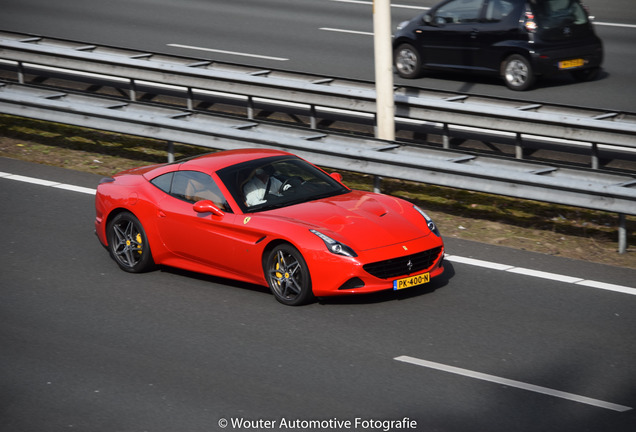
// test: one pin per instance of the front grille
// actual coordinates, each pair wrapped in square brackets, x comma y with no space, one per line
[400,266]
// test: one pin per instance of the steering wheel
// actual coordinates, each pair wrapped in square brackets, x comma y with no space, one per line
[290,183]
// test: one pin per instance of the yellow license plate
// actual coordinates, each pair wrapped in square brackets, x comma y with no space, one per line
[569,64]
[411,281]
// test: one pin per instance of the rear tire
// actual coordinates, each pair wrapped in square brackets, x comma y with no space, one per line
[128,244]
[407,61]
[517,72]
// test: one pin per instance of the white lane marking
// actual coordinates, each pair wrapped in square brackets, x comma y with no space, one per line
[541,274]
[227,52]
[607,286]
[452,258]
[346,31]
[614,24]
[25,179]
[74,188]
[513,383]
[544,275]
[47,183]
[478,263]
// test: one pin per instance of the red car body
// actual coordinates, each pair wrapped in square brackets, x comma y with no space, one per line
[377,239]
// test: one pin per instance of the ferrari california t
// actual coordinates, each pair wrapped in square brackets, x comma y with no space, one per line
[266,217]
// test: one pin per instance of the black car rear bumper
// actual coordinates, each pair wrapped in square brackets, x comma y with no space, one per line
[548,61]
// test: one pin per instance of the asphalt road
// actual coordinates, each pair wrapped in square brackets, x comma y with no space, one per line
[87,347]
[310,36]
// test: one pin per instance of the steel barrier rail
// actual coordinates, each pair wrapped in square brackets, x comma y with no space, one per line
[528,144]
[182,97]
[582,125]
[520,179]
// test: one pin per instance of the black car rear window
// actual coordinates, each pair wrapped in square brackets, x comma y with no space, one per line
[558,13]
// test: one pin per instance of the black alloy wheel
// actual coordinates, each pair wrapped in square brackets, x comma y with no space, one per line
[128,244]
[407,61]
[517,72]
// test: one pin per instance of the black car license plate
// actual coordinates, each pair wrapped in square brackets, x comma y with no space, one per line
[570,64]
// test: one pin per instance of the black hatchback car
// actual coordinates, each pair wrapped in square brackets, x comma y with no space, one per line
[518,40]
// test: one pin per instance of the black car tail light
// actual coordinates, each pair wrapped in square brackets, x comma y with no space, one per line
[530,24]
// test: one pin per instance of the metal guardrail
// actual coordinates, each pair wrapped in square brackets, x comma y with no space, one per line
[596,127]
[580,188]
[520,179]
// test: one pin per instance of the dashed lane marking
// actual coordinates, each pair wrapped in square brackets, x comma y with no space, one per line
[513,383]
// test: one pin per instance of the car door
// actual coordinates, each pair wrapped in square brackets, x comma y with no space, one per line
[206,238]
[499,29]
[448,39]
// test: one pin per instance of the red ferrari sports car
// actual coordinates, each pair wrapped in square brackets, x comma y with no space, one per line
[266,217]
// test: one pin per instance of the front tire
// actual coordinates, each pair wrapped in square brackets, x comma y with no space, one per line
[288,276]
[407,61]
[128,244]
[517,72]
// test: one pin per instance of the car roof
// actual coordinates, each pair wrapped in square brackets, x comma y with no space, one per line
[216,161]
[208,163]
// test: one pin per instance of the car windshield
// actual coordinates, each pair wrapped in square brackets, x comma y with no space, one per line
[559,13]
[275,182]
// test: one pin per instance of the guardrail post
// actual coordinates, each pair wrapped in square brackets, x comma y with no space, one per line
[377,184]
[133,90]
[375,125]
[446,137]
[622,234]
[170,151]
[594,156]
[250,108]
[20,72]
[190,100]
[313,123]
[518,146]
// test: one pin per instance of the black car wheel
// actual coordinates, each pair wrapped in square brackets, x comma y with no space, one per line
[288,276]
[128,244]
[408,62]
[517,72]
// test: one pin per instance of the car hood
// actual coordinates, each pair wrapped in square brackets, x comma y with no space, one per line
[361,220]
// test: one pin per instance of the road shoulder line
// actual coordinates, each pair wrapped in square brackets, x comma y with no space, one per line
[541,274]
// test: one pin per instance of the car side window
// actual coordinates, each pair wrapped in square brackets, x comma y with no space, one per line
[163,182]
[459,12]
[498,10]
[193,186]
[554,13]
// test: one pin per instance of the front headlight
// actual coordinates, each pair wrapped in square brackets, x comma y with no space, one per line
[429,221]
[335,246]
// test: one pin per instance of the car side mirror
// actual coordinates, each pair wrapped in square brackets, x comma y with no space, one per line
[207,206]
[427,18]
[439,21]
[336,176]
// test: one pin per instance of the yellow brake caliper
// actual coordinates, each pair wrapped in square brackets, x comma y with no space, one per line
[279,275]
